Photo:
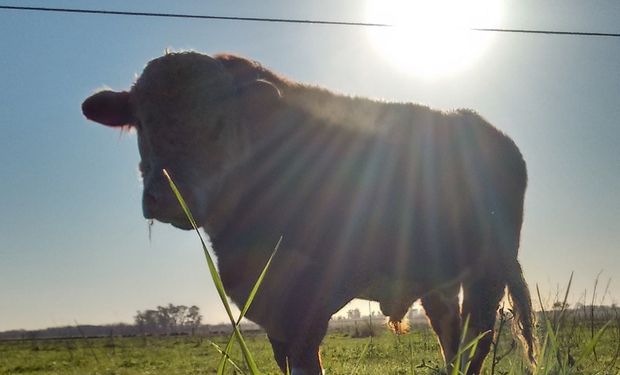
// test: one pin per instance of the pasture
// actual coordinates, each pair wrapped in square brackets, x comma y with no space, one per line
[568,351]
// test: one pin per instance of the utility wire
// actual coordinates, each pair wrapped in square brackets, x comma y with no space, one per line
[286,20]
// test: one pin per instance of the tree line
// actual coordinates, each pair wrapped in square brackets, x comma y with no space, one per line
[163,320]
[167,320]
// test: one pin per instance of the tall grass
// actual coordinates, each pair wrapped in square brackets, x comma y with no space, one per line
[217,281]
[571,337]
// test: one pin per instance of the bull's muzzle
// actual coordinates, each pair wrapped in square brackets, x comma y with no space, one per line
[163,206]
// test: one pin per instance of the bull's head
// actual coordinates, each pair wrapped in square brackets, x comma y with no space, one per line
[192,118]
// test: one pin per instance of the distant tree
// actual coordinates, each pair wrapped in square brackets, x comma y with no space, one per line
[164,319]
[194,318]
[354,314]
[557,305]
[168,319]
[178,315]
[147,321]
[140,321]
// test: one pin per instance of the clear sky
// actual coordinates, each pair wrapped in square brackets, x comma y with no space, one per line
[74,245]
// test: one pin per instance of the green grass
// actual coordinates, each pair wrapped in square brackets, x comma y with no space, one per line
[385,353]
[414,353]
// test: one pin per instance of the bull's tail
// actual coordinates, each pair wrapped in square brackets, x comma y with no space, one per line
[524,319]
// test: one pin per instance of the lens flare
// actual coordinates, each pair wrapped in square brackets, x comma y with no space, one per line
[432,38]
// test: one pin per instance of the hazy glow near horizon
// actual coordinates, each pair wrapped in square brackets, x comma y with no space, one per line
[431,39]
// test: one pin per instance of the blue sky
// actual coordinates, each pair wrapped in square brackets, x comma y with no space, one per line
[73,243]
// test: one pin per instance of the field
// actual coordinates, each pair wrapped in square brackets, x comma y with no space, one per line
[567,352]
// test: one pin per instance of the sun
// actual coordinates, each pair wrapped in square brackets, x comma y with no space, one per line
[432,38]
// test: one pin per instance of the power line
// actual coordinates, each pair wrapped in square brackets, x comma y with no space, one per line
[286,20]
[194,16]
[548,32]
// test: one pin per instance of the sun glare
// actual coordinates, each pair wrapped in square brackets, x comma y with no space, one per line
[432,38]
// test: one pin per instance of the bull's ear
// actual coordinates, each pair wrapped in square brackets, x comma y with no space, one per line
[109,108]
[259,99]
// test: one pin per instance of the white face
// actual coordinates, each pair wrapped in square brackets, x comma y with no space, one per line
[185,123]
[185,155]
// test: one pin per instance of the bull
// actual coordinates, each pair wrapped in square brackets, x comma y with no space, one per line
[391,202]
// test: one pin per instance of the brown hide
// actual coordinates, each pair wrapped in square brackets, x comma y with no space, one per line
[385,201]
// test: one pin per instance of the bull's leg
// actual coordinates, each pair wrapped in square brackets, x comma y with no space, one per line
[280,350]
[442,309]
[295,359]
[480,302]
[307,362]
[300,353]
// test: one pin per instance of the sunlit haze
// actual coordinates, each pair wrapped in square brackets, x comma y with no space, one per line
[432,38]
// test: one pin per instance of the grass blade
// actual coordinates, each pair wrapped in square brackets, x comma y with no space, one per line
[411,363]
[362,355]
[557,320]
[227,357]
[554,343]
[258,282]
[222,365]
[464,347]
[215,276]
[589,348]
